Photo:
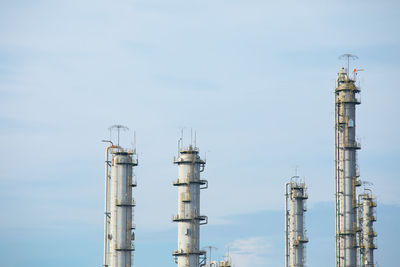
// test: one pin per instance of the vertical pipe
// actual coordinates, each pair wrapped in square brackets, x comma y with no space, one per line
[286,226]
[106,204]
[359,238]
[337,185]
[105,256]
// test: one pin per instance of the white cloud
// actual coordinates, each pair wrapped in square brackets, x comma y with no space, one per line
[251,251]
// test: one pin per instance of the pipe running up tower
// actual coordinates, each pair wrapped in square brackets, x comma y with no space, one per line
[118,217]
[367,215]
[346,173]
[295,233]
[189,184]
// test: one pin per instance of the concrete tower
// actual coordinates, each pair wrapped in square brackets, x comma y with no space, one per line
[119,203]
[295,233]
[346,169]
[367,216]
[189,184]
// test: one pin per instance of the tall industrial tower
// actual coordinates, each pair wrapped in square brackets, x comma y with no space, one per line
[295,233]
[346,169]
[189,184]
[118,217]
[367,205]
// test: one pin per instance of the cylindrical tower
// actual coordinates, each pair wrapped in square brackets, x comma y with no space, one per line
[295,233]
[367,218]
[119,227]
[346,170]
[188,218]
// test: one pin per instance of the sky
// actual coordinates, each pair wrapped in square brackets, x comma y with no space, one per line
[254,79]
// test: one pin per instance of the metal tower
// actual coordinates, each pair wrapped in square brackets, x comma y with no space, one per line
[225,263]
[119,203]
[295,233]
[367,205]
[346,173]
[190,165]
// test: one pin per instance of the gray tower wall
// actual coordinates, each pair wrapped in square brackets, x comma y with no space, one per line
[119,227]
[188,218]
[295,233]
[346,170]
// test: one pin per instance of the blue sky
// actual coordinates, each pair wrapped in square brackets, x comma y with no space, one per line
[254,78]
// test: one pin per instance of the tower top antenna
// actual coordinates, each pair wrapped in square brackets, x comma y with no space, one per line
[210,248]
[348,57]
[117,127]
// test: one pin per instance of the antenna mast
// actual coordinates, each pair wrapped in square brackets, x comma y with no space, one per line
[119,128]
[210,248]
[348,57]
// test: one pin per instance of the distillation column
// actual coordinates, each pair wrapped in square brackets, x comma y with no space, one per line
[346,170]
[367,219]
[119,228]
[295,233]
[189,184]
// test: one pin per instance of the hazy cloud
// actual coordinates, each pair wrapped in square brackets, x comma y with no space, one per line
[251,251]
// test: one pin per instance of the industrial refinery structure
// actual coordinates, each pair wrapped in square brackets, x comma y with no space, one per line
[227,262]
[355,214]
[119,228]
[295,232]
[346,170]
[189,184]
[348,228]
[367,217]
